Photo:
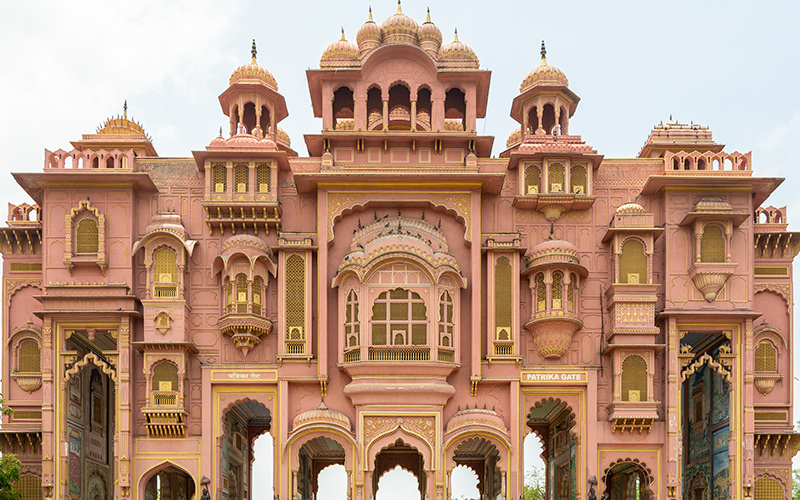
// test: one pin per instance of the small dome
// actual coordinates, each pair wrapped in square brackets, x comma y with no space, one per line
[218,141]
[712,204]
[558,253]
[471,417]
[630,208]
[515,138]
[253,73]
[322,415]
[340,53]
[369,35]
[544,75]
[283,138]
[430,37]
[121,125]
[400,28]
[554,246]
[458,55]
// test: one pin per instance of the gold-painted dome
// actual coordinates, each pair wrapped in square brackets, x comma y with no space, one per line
[400,28]
[457,54]
[630,208]
[283,138]
[121,125]
[253,73]
[515,138]
[544,75]
[340,53]
[430,37]
[369,34]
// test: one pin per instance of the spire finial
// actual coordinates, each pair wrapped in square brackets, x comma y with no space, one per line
[253,51]
[125,109]
[399,9]
[544,53]
[429,15]
[343,34]
[456,36]
[370,14]
[220,131]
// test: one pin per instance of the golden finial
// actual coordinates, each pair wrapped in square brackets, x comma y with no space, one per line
[370,14]
[253,51]
[125,109]
[456,36]
[544,53]
[399,9]
[429,15]
[343,34]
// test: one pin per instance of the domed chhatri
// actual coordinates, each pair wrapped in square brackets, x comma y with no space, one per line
[458,54]
[340,53]
[322,415]
[430,37]
[629,209]
[121,125]
[369,35]
[544,75]
[253,73]
[399,28]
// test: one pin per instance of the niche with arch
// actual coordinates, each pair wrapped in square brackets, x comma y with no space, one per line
[85,237]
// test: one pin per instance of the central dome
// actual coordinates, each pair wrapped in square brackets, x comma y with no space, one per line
[544,75]
[400,28]
[253,73]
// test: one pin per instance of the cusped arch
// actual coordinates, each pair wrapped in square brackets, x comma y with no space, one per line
[297,440]
[766,331]
[388,438]
[641,465]
[148,474]
[479,437]
[243,399]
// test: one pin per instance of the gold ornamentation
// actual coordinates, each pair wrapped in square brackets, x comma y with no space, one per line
[424,427]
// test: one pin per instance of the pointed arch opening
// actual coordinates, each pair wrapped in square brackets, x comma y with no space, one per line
[397,468]
[399,108]
[242,423]
[316,456]
[343,109]
[455,110]
[553,420]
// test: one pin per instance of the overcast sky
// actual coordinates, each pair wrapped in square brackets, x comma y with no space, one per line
[730,65]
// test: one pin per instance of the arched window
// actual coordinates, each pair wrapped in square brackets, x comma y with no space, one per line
[241,294]
[502,298]
[295,297]
[455,110]
[571,293]
[29,358]
[165,377]
[399,108]
[555,177]
[240,175]
[446,323]
[343,106]
[541,293]
[712,245]
[263,177]
[399,317]
[634,379]
[249,117]
[766,357]
[374,108]
[633,263]
[29,487]
[768,489]
[258,285]
[557,290]
[548,118]
[352,327]
[533,120]
[577,179]
[165,273]
[219,178]
[533,179]
[86,236]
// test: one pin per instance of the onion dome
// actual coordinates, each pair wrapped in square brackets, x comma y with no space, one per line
[340,53]
[430,38]
[544,75]
[458,55]
[283,138]
[322,415]
[369,35]
[400,28]
[515,139]
[630,209]
[253,73]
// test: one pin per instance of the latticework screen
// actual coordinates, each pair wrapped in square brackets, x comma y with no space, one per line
[555,178]
[446,325]
[240,176]
[258,285]
[352,327]
[633,263]
[29,357]
[263,177]
[541,293]
[29,488]
[712,245]
[241,294]
[577,179]
[766,357]
[165,269]
[571,294]
[219,178]
[557,290]
[634,379]
[768,489]
[86,236]
[533,179]
[165,372]
[295,295]
[502,293]
[407,314]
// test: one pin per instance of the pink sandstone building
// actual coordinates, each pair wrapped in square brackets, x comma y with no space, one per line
[398,297]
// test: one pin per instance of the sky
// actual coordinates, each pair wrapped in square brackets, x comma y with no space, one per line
[729,65]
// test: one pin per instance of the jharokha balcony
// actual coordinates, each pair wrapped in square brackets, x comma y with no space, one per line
[246,324]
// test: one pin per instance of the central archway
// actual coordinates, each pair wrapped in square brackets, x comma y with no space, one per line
[243,423]
[316,455]
[553,421]
[405,456]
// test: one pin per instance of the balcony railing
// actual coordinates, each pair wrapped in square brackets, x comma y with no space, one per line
[164,399]
[399,354]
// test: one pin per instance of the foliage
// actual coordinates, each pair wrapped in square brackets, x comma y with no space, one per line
[796,484]
[534,484]
[9,465]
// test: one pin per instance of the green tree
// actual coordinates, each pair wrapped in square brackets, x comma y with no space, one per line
[9,465]
[534,484]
